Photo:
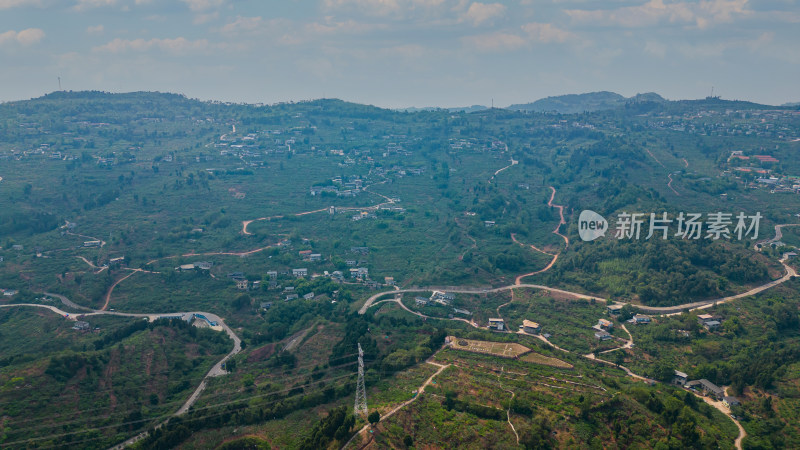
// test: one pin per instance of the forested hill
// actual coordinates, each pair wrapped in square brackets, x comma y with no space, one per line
[577,103]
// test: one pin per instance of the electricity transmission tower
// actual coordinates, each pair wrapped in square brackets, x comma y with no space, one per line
[361,392]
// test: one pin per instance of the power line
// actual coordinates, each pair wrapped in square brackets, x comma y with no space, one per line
[361,392]
[193,410]
[174,402]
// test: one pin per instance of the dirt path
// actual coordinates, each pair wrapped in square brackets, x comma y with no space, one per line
[560,213]
[102,242]
[725,410]
[514,162]
[654,157]
[111,289]
[556,231]
[389,201]
[407,402]
[518,280]
[99,269]
[669,185]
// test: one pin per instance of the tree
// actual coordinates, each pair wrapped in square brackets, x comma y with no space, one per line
[408,441]
[374,417]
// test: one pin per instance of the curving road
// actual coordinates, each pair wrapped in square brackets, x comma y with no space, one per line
[657,310]
[215,371]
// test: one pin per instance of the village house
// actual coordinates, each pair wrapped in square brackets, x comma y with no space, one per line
[443,298]
[531,327]
[291,297]
[273,274]
[680,378]
[204,265]
[299,273]
[421,301]
[242,284]
[614,309]
[462,311]
[730,401]
[266,305]
[497,324]
[315,257]
[602,335]
[372,284]
[309,296]
[603,324]
[389,281]
[92,244]
[703,318]
[640,318]
[81,326]
[707,387]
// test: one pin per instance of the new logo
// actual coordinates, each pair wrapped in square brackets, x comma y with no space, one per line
[591,225]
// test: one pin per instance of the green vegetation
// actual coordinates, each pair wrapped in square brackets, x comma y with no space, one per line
[202,206]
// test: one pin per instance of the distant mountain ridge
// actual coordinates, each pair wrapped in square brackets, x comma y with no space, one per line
[590,101]
[466,109]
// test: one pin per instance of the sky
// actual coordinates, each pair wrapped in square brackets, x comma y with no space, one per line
[402,53]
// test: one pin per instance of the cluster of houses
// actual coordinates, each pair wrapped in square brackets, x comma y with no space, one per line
[440,298]
[8,292]
[363,215]
[707,388]
[603,329]
[310,256]
[339,187]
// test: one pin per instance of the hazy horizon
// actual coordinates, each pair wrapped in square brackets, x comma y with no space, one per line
[402,53]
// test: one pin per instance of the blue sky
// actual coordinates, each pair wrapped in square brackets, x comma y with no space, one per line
[398,53]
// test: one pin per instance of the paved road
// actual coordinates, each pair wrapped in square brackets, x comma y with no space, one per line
[215,371]
[658,310]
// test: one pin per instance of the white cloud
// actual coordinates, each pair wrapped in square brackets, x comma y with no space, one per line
[25,37]
[242,24]
[8,4]
[478,13]
[177,45]
[203,5]
[396,8]
[96,29]
[205,18]
[700,14]
[495,41]
[374,7]
[547,33]
[88,4]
